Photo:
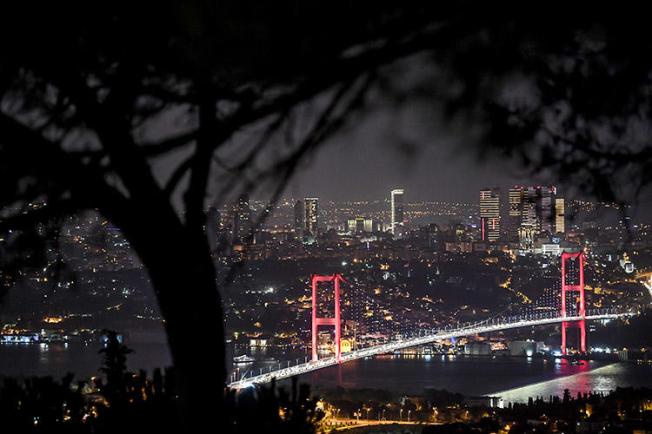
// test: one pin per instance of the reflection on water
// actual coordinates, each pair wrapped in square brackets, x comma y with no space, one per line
[513,378]
[600,380]
[473,376]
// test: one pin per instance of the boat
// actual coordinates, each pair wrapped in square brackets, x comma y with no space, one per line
[243,359]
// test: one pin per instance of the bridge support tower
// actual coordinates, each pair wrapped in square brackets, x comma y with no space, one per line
[576,287]
[333,321]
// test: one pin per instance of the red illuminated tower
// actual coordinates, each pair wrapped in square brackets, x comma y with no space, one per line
[334,321]
[572,288]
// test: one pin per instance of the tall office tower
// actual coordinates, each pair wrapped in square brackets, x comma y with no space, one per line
[311,206]
[299,219]
[530,223]
[242,225]
[515,211]
[529,213]
[560,223]
[490,214]
[546,204]
[397,209]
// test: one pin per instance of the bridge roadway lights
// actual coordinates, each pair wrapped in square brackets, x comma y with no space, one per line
[406,343]
[334,321]
[566,288]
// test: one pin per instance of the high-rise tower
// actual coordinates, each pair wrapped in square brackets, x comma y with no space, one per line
[560,216]
[490,214]
[546,205]
[242,225]
[515,212]
[299,219]
[397,209]
[311,205]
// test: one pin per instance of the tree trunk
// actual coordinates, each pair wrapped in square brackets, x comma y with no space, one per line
[190,304]
[184,281]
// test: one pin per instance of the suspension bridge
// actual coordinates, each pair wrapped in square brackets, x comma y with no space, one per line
[571,315]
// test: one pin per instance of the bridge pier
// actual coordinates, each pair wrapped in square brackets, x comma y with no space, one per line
[581,307]
[320,321]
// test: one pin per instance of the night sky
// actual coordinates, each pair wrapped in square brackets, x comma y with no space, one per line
[369,159]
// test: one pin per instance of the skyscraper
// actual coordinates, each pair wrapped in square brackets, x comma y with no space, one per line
[299,219]
[515,211]
[490,214]
[311,205]
[242,227]
[397,209]
[534,210]
[560,223]
[546,204]
[530,217]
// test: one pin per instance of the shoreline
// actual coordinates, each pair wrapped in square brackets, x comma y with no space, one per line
[539,384]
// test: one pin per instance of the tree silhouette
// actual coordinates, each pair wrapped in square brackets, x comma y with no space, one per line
[91,104]
[114,366]
[145,111]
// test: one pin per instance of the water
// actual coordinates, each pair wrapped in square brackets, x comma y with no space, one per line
[57,359]
[599,380]
[513,378]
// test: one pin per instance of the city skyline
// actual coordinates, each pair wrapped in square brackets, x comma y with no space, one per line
[442,170]
[318,217]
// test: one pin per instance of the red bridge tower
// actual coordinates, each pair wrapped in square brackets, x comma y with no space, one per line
[335,321]
[572,288]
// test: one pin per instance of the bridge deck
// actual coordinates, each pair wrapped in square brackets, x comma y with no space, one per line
[484,327]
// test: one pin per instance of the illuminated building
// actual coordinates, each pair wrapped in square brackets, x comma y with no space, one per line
[560,224]
[397,209]
[359,225]
[546,207]
[515,198]
[311,206]
[299,219]
[433,236]
[529,216]
[534,210]
[242,226]
[490,214]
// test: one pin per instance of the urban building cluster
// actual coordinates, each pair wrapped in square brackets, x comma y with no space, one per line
[534,218]
[409,265]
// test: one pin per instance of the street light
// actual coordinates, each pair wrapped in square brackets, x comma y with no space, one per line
[409,411]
